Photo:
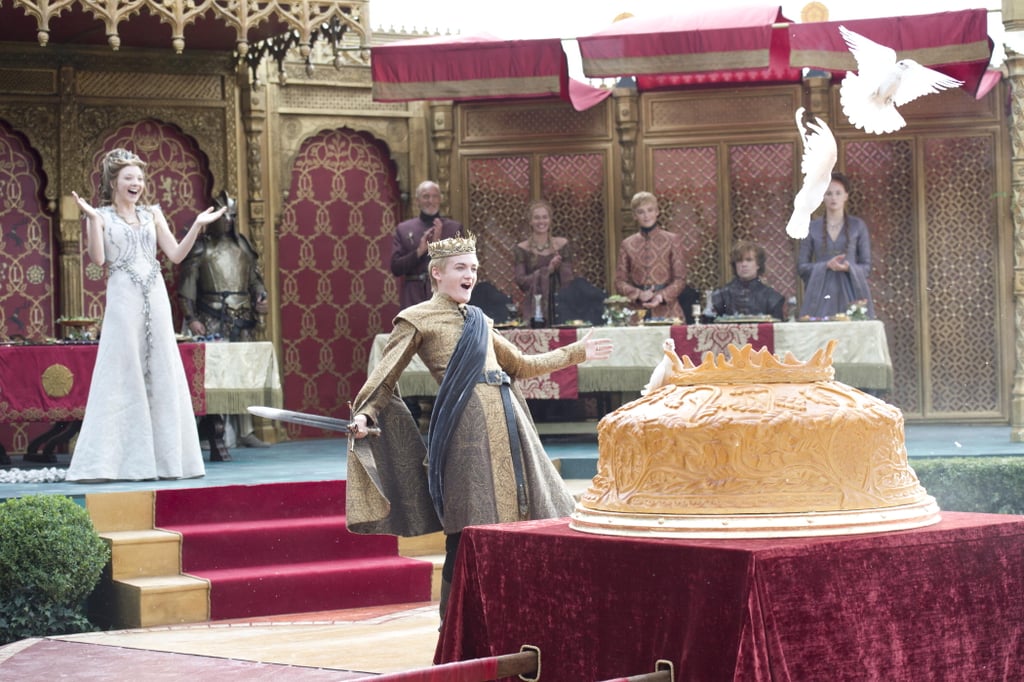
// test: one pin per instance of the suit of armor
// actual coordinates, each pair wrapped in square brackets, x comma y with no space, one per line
[222,295]
[221,284]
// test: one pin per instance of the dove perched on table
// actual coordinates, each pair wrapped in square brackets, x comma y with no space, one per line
[664,369]
[820,154]
[870,97]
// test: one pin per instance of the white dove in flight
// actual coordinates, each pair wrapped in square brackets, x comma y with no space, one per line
[869,98]
[820,154]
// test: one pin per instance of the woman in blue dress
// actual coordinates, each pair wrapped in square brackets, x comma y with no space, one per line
[835,258]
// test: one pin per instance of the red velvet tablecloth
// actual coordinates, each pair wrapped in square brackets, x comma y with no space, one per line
[945,602]
[50,383]
[563,383]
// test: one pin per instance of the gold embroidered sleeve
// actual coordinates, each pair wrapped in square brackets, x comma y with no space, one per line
[399,350]
[521,365]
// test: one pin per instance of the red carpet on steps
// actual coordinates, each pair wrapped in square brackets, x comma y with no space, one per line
[283,548]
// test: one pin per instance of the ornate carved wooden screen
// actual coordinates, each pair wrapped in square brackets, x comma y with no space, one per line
[757,185]
[337,291]
[935,273]
[499,192]
[929,194]
[723,164]
[548,151]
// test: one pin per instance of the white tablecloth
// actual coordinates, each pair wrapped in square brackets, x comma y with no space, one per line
[861,357]
[241,374]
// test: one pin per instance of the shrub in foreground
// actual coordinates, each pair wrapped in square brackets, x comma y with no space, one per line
[51,558]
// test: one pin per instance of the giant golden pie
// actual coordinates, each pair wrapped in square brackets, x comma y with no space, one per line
[756,446]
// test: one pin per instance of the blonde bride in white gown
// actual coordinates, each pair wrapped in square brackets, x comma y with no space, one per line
[139,422]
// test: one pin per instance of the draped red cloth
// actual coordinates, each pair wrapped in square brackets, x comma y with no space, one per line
[695,340]
[468,67]
[563,383]
[955,43]
[941,602]
[51,382]
[709,45]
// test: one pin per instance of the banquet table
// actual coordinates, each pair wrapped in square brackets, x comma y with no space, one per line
[939,602]
[50,382]
[861,356]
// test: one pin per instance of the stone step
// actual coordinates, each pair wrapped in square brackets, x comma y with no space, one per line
[143,553]
[121,511]
[151,601]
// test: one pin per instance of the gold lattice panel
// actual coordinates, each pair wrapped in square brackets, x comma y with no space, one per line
[574,185]
[881,172]
[686,183]
[499,191]
[192,86]
[760,190]
[530,121]
[961,248]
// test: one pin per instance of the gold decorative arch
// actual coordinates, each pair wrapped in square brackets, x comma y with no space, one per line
[249,21]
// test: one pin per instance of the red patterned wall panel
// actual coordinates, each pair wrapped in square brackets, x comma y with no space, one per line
[27,286]
[337,293]
[26,262]
[177,178]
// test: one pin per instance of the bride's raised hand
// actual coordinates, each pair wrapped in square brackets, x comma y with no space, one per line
[84,205]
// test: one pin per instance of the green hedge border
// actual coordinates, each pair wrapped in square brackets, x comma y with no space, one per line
[993,485]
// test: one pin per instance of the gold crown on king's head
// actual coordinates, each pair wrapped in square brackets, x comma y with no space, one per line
[453,246]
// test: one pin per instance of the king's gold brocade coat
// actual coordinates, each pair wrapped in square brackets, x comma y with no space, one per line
[479,483]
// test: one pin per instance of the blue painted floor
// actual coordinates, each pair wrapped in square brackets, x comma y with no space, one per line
[318,460]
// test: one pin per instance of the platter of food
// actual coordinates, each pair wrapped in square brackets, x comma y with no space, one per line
[744,319]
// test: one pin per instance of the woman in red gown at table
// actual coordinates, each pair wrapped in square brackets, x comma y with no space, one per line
[139,422]
[543,263]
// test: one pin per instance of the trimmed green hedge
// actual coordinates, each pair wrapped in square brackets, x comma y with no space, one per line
[993,485]
[51,558]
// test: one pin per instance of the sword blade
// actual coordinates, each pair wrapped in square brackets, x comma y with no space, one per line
[306,419]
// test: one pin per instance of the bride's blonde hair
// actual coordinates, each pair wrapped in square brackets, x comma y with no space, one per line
[111,165]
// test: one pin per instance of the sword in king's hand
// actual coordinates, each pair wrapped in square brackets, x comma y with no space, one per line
[305,419]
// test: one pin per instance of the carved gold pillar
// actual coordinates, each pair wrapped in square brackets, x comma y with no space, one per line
[1013,20]
[254,121]
[817,90]
[69,223]
[442,117]
[254,124]
[627,123]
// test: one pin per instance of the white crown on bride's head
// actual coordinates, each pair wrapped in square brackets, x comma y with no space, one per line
[453,246]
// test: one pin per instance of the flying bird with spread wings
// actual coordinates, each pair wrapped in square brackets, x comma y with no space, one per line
[869,98]
[820,154]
